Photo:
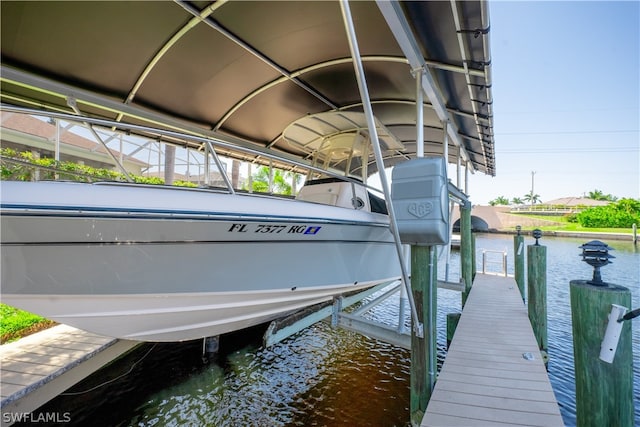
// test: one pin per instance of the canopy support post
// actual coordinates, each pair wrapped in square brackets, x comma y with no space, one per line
[419,114]
[368,110]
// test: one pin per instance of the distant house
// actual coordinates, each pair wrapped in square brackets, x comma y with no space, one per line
[561,206]
[22,132]
[576,202]
[215,177]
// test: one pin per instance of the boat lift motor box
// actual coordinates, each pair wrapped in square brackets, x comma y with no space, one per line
[420,196]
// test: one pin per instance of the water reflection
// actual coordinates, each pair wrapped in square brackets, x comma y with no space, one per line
[322,377]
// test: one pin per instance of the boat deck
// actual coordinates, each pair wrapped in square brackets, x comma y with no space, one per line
[493,374]
[38,367]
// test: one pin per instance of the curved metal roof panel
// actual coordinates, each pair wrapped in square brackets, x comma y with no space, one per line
[242,71]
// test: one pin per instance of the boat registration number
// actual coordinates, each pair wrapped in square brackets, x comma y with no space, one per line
[274,229]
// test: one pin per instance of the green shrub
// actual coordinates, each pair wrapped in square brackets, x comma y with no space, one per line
[185,184]
[68,171]
[622,214]
[152,180]
[572,218]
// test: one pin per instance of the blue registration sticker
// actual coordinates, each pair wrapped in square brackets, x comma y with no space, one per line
[312,230]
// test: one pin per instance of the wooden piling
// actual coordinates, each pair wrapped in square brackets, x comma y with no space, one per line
[466,249]
[473,256]
[518,261]
[423,350]
[537,294]
[452,324]
[604,391]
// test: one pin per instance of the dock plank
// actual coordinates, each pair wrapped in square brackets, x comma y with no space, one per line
[38,367]
[495,415]
[488,390]
[500,402]
[486,378]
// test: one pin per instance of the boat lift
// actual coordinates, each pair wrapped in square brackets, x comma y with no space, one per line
[354,320]
[424,83]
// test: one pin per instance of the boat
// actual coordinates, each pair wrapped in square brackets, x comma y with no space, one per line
[168,264]
[163,263]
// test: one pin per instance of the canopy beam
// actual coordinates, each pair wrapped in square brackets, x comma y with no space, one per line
[399,26]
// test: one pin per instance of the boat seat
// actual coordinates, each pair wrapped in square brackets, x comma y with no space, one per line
[378,204]
[336,192]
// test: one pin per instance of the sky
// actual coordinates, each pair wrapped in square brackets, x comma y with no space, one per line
[566,100]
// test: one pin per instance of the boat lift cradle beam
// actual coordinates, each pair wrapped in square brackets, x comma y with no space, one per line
[283,328]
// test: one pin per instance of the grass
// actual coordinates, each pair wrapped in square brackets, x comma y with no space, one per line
[577,227]
[15,323]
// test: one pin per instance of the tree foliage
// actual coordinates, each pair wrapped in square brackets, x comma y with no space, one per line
[499,201]
[28,167]
[280,181]
[599,195]
[621,214]
[532,198]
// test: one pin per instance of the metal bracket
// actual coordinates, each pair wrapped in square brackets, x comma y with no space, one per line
[630,315]
[476,32]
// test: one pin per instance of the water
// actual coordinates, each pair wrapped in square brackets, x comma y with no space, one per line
[322,376]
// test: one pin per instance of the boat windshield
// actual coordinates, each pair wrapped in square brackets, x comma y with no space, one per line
[339,141]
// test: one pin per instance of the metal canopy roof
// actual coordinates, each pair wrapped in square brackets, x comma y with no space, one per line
[242,71]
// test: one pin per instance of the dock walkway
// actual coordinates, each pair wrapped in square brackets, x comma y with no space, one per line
[38,367]
[493,374]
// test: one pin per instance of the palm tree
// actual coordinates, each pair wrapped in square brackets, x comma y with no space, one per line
[295,179]
[596,195]
[499,201]
[532,198]
[599,195]
[261,181]
[517,201]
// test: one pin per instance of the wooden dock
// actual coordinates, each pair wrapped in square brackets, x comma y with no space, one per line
[39,367]
[493,374]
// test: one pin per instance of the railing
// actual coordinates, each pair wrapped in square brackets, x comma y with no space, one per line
[548,209]
[502,262]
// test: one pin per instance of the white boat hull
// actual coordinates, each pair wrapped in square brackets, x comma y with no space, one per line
[176,316]
[159,264]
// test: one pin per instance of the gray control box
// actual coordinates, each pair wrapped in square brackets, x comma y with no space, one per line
[420,196]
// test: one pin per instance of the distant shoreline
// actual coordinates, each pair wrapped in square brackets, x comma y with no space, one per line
[561,233]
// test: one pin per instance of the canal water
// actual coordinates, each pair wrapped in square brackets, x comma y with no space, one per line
[322,376]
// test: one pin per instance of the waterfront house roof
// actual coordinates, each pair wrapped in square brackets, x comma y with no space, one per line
[576,201]
[25,132]
[242,71]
